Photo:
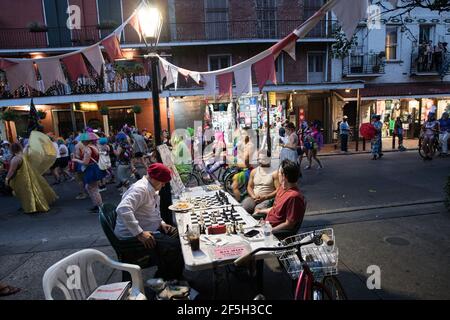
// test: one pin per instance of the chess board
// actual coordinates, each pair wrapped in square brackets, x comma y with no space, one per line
[218,216]
[210,200]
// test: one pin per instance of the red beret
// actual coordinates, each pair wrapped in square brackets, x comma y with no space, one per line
[159,172]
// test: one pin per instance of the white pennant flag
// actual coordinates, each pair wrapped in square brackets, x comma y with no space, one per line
[349,13]
[290,49]
[50,71]
[95,57]
[195,76]
[243,79]
[169,72]
[210,85]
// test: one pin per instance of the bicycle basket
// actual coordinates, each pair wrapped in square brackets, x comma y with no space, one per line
[322,260]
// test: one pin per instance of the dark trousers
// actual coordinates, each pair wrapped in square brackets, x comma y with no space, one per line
[168,256]
[165,195]
[344,142]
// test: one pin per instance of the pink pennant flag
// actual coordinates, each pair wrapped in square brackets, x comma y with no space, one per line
[225,84]
[95,57]
[75,66]
[4,63]
[21,73]
[112,47]
[243,78]
[134,22]
[287,44]
[50,71]
[265,71]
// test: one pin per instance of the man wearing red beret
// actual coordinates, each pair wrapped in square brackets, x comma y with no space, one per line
[138,215]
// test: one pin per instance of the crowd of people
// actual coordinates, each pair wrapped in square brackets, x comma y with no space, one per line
[431,57]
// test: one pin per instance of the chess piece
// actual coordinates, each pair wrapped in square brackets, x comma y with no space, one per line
[232,209]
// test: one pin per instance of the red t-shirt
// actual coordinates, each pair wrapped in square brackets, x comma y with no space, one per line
[289,205]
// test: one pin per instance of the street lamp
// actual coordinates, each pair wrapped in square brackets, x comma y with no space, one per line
[150,20]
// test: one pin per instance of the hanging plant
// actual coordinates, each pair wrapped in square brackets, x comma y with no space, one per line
[42,114]
[8,115]
[104,110]
[341,47]
[137,109]
[35,26]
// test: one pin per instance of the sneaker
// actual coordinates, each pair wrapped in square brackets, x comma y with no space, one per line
[320,167]
[81,196]
[94,210]
[102,189]
[307,167]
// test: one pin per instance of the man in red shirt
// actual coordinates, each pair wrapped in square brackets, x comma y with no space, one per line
[289,207]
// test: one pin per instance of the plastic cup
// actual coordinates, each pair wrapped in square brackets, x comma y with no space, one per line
[194,238]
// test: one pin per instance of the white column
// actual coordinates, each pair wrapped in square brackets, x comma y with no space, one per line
[106,124]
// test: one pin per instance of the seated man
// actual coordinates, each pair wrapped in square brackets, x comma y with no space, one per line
[138,215]
[241,179]
[289,207]
[262,186]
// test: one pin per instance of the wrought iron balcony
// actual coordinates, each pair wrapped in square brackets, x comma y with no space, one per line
[425,63]
[363,65]
[179,32]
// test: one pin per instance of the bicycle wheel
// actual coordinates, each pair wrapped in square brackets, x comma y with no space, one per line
[189,180]
[421,151]
[333,289]
[228,182]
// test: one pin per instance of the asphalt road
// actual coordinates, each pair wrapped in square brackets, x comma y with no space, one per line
[385,213]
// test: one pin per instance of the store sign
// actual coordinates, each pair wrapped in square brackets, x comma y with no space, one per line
[272,99]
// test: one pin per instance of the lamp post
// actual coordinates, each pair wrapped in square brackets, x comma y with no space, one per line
[150,20]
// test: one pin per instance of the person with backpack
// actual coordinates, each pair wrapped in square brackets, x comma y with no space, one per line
[124,154]
[104,162]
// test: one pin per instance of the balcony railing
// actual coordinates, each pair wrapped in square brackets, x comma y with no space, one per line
[430,63]
[179,32]
[368,64]
[92,85]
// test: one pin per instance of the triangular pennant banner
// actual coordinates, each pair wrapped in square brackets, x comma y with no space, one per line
[265,71]
[21,73]
[195,76]
[287,43]
[225,84]
[169,72]
[50,71]
[243,79]
[134,22]
[4,63]
[209,81]
[112,47]
[95,57]
[75,66]
[349,13]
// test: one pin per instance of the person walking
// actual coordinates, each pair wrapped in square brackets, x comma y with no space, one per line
[289,147]
[344,132]
[124,154]
[444,135]
[398,131]
[92,172]
[376,141]
[314,142]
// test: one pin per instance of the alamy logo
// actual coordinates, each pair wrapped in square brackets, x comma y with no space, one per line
[374,280]
[74,19]
[74,280]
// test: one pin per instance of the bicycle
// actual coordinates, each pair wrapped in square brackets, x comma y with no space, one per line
[435,147]
[198,175]
[310,259]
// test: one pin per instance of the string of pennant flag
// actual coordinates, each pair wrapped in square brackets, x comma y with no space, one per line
[22,71]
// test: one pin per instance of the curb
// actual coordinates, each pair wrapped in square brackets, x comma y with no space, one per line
[362,152]
[373,207]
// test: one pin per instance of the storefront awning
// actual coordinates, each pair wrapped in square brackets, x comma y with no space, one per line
[390,91]
[282,88]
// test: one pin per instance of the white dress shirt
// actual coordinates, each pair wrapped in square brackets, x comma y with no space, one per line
[138,211]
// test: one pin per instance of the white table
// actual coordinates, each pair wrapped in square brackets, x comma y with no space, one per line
[203,259]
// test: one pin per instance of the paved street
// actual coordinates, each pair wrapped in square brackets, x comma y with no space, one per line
[387,213]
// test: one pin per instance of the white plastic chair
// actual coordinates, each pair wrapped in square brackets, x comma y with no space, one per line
[62,275]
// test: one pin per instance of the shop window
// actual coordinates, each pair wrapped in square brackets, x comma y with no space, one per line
[266,15]
[216,15]
[391,42]
[217,62]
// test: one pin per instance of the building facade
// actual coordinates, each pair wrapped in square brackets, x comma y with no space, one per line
[206,35]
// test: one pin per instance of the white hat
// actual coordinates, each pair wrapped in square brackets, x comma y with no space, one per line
[5,142]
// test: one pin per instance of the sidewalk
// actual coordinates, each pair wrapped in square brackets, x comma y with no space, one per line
[335,148]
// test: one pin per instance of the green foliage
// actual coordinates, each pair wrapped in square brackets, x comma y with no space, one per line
[125,68]
[107,25]
[104,110]
[8,115]
[342,46]
[35,26]
[137,109]
[42,114]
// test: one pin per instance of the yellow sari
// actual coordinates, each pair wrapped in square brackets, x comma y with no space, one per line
[28,185]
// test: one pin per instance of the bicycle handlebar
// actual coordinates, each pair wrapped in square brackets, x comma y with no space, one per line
[317,240]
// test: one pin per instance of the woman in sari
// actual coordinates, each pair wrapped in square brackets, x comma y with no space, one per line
[28,185]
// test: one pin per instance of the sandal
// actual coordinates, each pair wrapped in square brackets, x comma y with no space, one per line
[8,290]
[174,292]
